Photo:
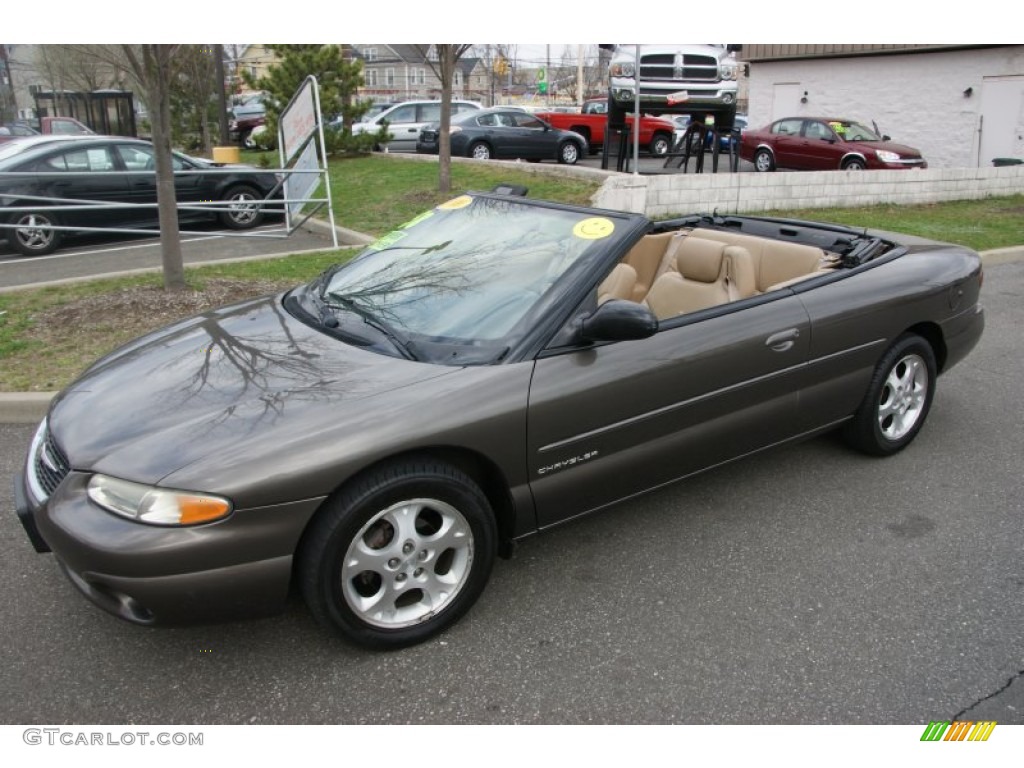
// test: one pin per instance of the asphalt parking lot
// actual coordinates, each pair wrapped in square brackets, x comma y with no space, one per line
[805,585]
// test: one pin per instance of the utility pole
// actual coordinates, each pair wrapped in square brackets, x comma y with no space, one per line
[547,74]
[580,95]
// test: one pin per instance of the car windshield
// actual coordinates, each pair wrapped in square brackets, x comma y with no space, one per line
[474,270]
[853,131]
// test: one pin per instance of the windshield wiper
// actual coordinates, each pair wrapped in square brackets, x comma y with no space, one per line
[344,302]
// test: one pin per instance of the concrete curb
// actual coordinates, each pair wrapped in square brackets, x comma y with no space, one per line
[30,407]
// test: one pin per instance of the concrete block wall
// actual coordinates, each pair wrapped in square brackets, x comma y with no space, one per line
[669,195]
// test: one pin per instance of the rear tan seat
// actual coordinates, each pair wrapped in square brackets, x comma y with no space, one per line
[776,264]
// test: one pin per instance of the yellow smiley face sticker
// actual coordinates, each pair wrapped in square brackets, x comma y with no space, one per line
[594,228]
[458,202]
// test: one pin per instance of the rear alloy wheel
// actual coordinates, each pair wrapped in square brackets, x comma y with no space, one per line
[660,145]
[480,151]
[400,555]
[763,161]
[569,153]
[245,211]
[32,236]
[897,400]
[854,164]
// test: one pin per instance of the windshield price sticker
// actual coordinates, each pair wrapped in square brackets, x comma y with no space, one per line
[594,228]
[417,220]
[838,128]
[386,241]
[459,202]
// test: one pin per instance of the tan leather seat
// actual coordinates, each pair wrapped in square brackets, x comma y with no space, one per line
[707,274]
[618,285]
[647,257]
[775,263]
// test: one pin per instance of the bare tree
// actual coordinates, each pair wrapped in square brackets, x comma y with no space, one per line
[443,62]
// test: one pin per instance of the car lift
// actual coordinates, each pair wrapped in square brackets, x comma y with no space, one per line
[618,141]
[692,144]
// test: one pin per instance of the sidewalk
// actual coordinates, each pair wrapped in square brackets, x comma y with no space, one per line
[30,407]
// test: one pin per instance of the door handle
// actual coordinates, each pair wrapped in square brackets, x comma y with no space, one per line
[783,340]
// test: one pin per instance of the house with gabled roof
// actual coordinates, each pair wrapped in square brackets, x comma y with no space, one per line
[395,72]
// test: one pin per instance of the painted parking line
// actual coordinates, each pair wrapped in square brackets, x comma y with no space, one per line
[146,243]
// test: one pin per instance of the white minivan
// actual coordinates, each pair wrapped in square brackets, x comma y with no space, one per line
[406,120]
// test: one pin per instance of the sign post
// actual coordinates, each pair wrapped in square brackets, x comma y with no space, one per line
[300,121]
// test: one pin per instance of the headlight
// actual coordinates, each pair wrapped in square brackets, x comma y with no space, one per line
[622,69]
[453,129]
[886,156]
[158,506]
[727,71]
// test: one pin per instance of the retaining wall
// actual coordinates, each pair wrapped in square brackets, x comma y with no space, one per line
[668,195]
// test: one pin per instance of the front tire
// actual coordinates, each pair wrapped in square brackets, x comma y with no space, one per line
[763,161]
[569,153]
[400,555]
[31,238]
[660,145]
[245,209]
[898,399]
[854,164]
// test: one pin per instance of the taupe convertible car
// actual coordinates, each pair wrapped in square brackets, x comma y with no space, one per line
[497,366]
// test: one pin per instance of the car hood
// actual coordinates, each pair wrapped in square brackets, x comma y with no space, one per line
[178,395]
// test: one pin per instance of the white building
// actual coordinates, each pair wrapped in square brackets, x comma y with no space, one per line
[961,105]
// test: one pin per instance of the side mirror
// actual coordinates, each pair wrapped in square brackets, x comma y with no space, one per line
[886,137]
[619,320]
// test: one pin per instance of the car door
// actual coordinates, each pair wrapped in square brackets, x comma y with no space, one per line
[404,127]
[786,142]
[612,420]
[820,149]
[140,162]
[534,139]
[87,174]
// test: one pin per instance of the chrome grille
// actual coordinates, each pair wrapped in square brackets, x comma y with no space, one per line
[50,464]
[679,67]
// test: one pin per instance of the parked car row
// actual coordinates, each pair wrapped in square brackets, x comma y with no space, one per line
[500,133]
[110,182]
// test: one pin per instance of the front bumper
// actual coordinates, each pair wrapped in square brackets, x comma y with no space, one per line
[238,567]
[711,95]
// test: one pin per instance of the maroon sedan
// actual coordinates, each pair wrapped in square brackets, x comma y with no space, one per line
[824,144]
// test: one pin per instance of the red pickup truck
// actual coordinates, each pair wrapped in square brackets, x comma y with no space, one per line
[58,126]
[655,133]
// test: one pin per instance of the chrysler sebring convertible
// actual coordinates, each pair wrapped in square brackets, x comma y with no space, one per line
[497,366]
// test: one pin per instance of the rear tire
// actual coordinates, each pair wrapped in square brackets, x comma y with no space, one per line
[246,211]
[479,151]
[898,399]
[400,555]
[763,161]
[31,239]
